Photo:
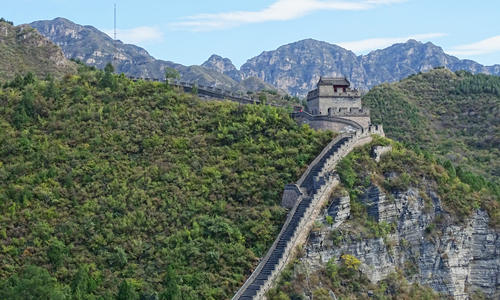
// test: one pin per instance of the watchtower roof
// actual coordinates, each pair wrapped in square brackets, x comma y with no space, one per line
[335,81]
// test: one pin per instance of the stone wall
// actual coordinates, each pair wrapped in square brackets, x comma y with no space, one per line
[320,105]
[344,123]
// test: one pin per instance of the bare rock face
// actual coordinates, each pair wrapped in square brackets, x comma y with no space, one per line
[296,67]
[379,151]
[340,209]
[453,259]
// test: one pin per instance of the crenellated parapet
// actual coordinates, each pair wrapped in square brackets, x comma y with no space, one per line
[349,111]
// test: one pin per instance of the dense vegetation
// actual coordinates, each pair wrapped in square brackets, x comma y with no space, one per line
[114,189]
[453,115]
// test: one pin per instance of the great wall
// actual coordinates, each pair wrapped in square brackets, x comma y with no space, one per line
[331,106]
[205,91]
[305,200]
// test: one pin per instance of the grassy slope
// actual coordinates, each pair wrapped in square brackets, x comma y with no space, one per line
[121,180]
[453,115]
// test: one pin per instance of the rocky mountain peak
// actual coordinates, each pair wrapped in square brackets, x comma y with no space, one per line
[296,67]
[219,64]
[222,65]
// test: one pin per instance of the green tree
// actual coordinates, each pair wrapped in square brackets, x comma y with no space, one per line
[29,78]
[171,73]
[126,292]
[263,98]
[6,21]
[346,172]
[32,283]
[51,90]
[120,257]
[194,90]
[108,80]
[171,291]
[109,68]
[83,284]
[57,252]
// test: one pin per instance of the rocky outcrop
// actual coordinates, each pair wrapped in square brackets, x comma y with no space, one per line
[379,151]
[339,209]
[453,259]
[305,200]
[297,67]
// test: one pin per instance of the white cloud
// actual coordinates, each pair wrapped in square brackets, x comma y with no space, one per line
[137,35]
[378,43]
[281,10]
[489,45]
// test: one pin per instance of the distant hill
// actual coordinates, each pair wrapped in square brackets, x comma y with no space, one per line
[23,49]
[455,115]
[95,48]
[296,67]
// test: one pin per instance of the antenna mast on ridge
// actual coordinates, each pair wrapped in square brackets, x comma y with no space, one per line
[114,36]
[114,39]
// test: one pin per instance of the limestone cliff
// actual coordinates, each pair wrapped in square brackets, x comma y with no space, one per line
[452,259]
[222,65]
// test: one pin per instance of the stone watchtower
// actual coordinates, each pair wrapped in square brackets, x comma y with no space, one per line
[333,105]
[332,93]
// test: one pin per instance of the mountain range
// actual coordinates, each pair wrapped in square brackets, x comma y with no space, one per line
[96,48]
[294,68]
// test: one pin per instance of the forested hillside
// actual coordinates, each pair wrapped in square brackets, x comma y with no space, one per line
[454,115]
[115,189]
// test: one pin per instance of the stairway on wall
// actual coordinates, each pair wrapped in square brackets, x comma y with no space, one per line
[315,185]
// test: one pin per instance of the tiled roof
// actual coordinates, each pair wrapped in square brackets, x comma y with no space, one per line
[333,81]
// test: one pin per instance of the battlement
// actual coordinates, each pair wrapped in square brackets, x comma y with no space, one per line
[336,93]
[349,111]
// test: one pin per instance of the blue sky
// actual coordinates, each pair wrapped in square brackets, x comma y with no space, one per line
[189,31]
